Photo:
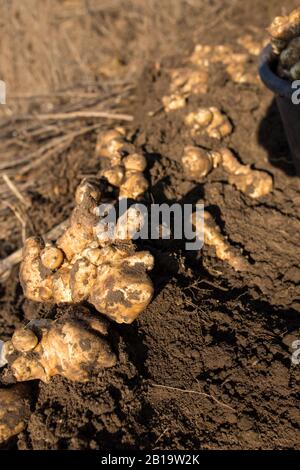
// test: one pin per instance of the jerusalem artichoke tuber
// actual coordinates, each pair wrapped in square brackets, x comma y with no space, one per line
[198,162]
[87,273]
[213,237]
[185,81]
[209,120]
[14,410]
[72,347]
[124,171]
[285,38]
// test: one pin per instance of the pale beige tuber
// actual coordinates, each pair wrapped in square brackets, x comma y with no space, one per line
[124,171]
[285,38]
[237,64]
[198,163]
[70,347]
[213,237]
[210,121]
[254,183]
[14,410]
[98,266]
[185,81]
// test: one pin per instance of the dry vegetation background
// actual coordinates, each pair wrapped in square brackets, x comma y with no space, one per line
[70,56]
[52,45]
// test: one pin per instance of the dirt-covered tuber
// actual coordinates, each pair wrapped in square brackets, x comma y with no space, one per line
[102,268]
[72,347]
[123,170]
[237,64]
[14,410]
[285,38]
[198,163]
[185,81]
[210,121]
[254,183]
[223,249]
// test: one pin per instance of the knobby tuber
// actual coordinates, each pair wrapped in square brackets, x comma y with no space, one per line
[125,167]
[89,263]
[198,163]
[236,63]
[14,410]
[185,81]
[210,121]
[72,347]
[194,77]
[285,38]
[213,237]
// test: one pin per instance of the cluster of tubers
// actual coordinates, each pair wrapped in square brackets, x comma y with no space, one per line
[124,166]
[185,81]
[198,163]
[209,121]
[236,63]
[193,79]
[71,347]
[88,263]
[84,264]
[285,37]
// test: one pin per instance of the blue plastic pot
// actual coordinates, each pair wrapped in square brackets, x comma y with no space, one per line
[283,90]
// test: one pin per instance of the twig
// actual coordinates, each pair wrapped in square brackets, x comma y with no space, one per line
[15,190]
[161,435]
[15,258]
[19,216]
[77,115]
[48,149]
[195,392]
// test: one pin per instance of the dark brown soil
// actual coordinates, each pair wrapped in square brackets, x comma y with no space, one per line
[208,364]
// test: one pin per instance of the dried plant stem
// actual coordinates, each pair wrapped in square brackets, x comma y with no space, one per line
[182,390]
[11,185]
[77,115]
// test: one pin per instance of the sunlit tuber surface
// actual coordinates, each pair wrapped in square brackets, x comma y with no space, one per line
[72,347]
[14,410]
[254,183]
[210,121]
[198,163]
[236,63]
[213,237]
[173,102]
[185,81]
[123,170]
[285,32]
[102,268]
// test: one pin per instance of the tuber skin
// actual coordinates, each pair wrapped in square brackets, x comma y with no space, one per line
[185,81]
[210,121]
[70,347]
[14,410]
[224,251]
[198,163]
[236,63]
[285,39]
[254,183]
[94,266]
[173,102]
[123,172]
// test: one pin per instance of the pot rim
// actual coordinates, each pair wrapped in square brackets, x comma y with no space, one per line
[270,79]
